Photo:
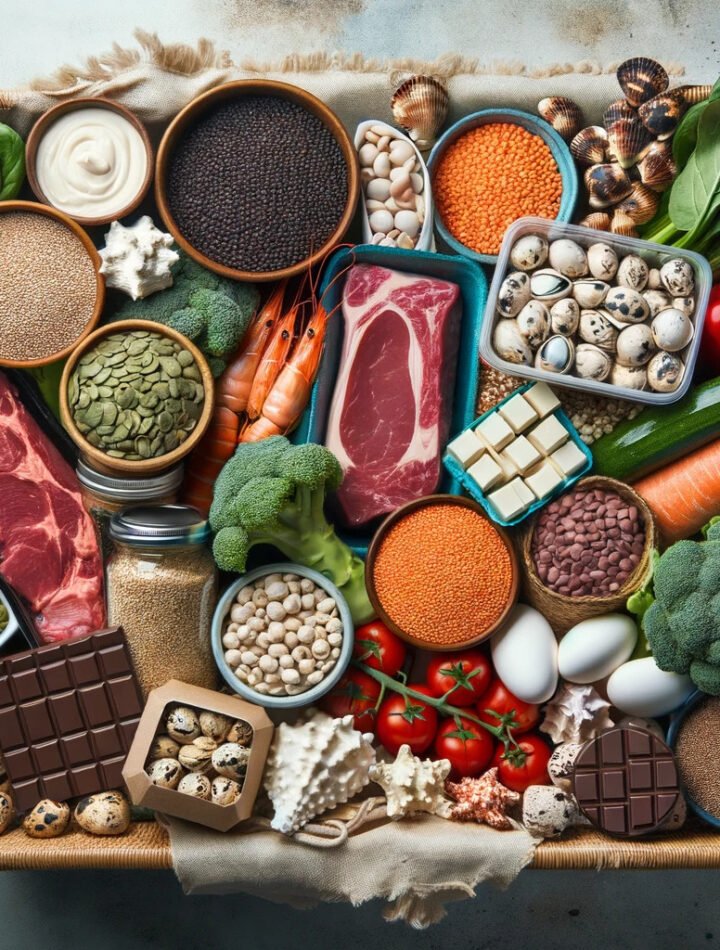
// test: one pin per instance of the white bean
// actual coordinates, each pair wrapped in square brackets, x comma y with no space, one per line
[260,612]
[242,674]
[260,598]
[320,649]
[301,653]
[308,601]
[322,618]
[263,640]
[272,678]
[306,666]
[320,633]
[306,585]
[268,664]
[291,677]
[291,640]
[277,649]
[256,623]
[278,590]
[245,594]
[294,690]
[262,688]
[233,657]
[334,625]
[335,639]
[278,690]
[276,611]
[270,579]
[292,604]
[286,662]
[231,640]
[316,677]
[257,650]
[249,658]
[293,623]
[306,634]
[335,653]
[327,665]
[254,677]
[326,606]
[294,586]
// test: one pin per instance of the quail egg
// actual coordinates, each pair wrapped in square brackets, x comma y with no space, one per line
[241,732]
[665,372]
[678,277]
[568,258]
[629,377]
[596,328]
[197,756]
[107,813]
[671,330]
[657,300]
[556,355]
[635,345]
[686,304]
[591,362]
[548,285]
[564,316]
[48,819]
[183,724]
[654,281]
[533,322]
[195,784]
[165,772]
[7,810]
[163,747]
[602,261]
[633,272]
[231,761]
[625,305]
[509,343]
[225,791]
[529,252]
[214,725]
[514,293]
[590,293]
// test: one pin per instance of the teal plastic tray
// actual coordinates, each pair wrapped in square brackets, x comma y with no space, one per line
[473,489]
[473,289]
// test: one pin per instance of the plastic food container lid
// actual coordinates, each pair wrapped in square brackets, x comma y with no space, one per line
[130,489]
[159,526]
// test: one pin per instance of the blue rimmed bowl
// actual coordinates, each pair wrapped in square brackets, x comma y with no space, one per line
[559,149]
[676,723]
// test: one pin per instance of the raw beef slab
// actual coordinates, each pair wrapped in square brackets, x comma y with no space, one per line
[390,413]
[48,545]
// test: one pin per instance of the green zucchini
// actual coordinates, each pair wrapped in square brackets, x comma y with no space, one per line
[660,435]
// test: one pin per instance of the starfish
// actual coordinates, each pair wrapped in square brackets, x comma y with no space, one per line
[483,799]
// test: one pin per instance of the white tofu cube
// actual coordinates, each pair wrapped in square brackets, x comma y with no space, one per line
[506,502]
[466,448]
[485,472]
[545,480]
[525,495]
[549,435]
[569,459]
[495,431]
[510,469]
[542,399]
[518,412]
[522,454]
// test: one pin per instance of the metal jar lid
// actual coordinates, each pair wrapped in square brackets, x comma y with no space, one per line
[130,490]
[159,526]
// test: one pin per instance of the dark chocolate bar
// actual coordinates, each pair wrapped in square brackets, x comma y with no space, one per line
[626,782]
[68,714]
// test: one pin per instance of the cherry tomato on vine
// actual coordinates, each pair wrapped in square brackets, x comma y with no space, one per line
[467,674]
[710,345]
[405,720]
[467,745]
[378,647]
[518,769]
[498,699]
[355,693]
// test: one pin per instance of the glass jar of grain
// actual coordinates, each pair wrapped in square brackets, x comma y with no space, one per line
[104,495]
[161,584]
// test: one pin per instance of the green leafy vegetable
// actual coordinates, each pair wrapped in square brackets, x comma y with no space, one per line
[685,138]
[695,193]
[12,163]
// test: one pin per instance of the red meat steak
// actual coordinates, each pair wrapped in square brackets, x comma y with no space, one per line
[390,413]
[48,546]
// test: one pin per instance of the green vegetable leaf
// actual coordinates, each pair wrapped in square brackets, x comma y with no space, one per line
[12,163]
[685,138]
[640,602]
[695,194]
[369,648]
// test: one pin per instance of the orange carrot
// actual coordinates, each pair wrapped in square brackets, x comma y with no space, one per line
[685,495]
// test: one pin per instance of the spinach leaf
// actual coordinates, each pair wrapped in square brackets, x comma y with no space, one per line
[695,193]
[12,163]
[685,137]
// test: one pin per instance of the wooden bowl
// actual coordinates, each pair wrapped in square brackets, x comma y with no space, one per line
[46,120]
[233,90]
[10,207]
[374,548]
[100,460]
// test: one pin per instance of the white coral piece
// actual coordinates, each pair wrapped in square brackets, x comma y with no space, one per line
[576,714]
[138,259]
[314,766]
[412,784]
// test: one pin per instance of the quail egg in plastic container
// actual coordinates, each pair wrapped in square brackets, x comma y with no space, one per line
[595,311]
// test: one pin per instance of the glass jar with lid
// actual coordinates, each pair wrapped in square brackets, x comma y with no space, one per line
[104,495]
[161,584]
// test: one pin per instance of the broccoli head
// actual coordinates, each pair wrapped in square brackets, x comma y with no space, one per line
[273,492]
[683,623]
[212,312]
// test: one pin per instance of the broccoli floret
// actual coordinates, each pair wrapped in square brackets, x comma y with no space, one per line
[212,312]
[683,623]
[273,492]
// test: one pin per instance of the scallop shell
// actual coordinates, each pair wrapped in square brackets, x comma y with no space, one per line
[549,285]
[562,114]
[556,355]
[641,78]
[633,272]
[568,258]
[607,184]
[597,220]
[665,372]
[590,293]
[620,109]
[627,140]
[661,114]
[677,276]
[641,204]
[657,167]
[591,362]
[635,345]
[590,145]
[564,316]
[629,377]
[420,105]
[509,343]
[623,224]
[693,94]
[596,328]
[533,322]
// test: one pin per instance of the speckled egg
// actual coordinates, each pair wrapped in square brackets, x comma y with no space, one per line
[672,330]
[509,343]
[7,810]
[635,345]
[596,328]
[602,261]
[590,293]
[48,819]
[591,362]
[183,724]
[626,305]
[107,813]
[665,372]
[560,766]
[678,277]
[230,760]
[548,811]
[197,757]
[533,322]
[240,732]
[225,791]
[568,258]
[633,272]
[564,316]
[165,772]
[196,785]
[629,377]
[514,293]
[657,300]
[163,747]
[214,725]
[685,304]
[529,252]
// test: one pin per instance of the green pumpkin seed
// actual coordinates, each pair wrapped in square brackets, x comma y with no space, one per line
[164,421]
[174,387]
[92,391]
[162,389]
[192,372]
[114,454]
[73,391]
[105,392]
[90,369]
[156,445]
[94,438]
[83,400]
[185,358]
[110,413]
[171,366]
[146,425]
[105,430]
[170,441]
[137,347]
[121,432]
[102,376]
[115,357]
[142,446]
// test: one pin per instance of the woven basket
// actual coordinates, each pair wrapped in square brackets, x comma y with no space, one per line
[563,612]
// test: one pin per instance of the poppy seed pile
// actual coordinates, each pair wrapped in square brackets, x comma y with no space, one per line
[257,184]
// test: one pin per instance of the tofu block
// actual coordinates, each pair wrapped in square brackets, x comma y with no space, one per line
[569,459]
[510,469]
[518,413]
[526,496]
[542,399]
[549,435]
[495,431]
[485,472]
[506,502]
[466,448]
[523,454]
[545,480]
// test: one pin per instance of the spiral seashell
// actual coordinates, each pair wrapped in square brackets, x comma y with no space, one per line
[597,220]
[641,78]
[589,146]
[627,140]
[620,109]
[657,167]
[661,114]
[693,94]
[623,224]
[420,106]
[562,114]
[606,184]
[641,204]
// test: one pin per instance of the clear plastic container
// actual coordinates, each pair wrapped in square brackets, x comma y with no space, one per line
[654,254]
